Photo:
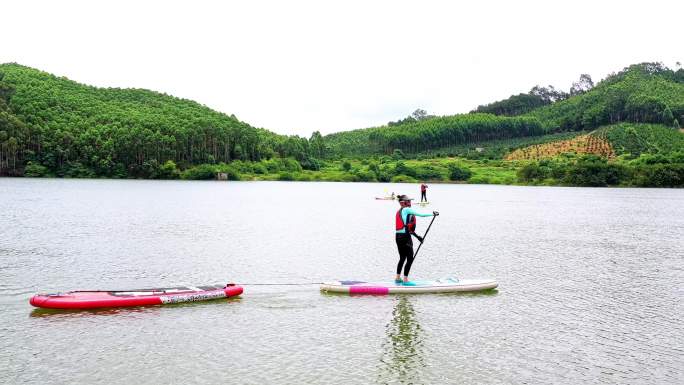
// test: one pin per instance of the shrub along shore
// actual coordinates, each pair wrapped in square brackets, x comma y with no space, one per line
[567,170]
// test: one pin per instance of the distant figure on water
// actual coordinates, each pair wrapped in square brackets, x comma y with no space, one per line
[387,198]
[405,226]
[423,192]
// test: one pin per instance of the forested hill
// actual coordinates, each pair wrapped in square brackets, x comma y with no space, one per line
[641,93]
[54,126]
[78,130]
[431,133]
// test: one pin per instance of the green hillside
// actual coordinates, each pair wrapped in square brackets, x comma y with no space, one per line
[627,139]
[432,133]
[52,126]
[636,139]
[641,154]
[77,130]
[642,93]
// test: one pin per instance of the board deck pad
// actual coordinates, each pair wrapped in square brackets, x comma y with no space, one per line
[442,285]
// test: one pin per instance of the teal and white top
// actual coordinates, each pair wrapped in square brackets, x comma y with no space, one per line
[405,213]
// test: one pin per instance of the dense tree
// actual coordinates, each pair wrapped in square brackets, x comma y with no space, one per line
[457,173]
[63,125]
[514,105]
[317,144]
[549,93]
[419,114]
[12,131]
[432,133]
[53,126]
[640,93]
[584,84]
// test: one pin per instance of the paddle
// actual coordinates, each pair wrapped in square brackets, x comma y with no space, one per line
[424,235]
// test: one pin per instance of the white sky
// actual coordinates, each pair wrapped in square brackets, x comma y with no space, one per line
[298,66]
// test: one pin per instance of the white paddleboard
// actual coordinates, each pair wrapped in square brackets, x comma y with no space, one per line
[443,285]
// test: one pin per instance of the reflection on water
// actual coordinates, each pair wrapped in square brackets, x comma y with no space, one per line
[38,313]
[108,311]
[402,350]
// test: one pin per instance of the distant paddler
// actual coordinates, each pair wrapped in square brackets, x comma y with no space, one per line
[423,192]
[405,227]
[389,198]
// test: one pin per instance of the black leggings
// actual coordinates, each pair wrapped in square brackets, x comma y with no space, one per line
[423,195]
[405,247]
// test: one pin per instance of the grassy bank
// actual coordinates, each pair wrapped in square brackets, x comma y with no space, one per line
[647,170]
[443,170]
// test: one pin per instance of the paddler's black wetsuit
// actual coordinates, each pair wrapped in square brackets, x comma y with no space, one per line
[405,247]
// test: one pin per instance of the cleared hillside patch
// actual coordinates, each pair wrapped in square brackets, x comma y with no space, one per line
[592,143]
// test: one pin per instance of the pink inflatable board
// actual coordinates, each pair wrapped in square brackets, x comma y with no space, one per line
[134,297]
[443,285]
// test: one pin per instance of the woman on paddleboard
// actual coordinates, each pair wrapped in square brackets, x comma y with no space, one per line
[404,228]
[423,192]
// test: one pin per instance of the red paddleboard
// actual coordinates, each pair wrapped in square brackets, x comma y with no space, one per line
[142,297]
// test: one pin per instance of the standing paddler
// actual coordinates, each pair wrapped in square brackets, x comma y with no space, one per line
[404,228]
[423,192]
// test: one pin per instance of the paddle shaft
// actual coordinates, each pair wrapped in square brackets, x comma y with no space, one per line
[424,236]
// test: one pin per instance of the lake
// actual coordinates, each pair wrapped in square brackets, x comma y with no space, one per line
[591,284]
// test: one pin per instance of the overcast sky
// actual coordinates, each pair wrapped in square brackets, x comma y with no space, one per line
[298,66]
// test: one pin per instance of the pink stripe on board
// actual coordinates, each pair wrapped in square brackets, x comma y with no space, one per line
[368,290]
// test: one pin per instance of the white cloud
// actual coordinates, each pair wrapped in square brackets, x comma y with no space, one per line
[298,66]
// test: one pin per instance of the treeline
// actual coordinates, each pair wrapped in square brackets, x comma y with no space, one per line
[515,105]
[641,93]
[647,170]
[451,130]
[11,130]
[72,129]
[437,132]
[416,116]
[537,97]
[376,169]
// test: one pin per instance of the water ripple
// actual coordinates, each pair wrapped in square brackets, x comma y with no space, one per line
[591,284]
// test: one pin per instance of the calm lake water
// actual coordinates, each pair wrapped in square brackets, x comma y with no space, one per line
[591,284]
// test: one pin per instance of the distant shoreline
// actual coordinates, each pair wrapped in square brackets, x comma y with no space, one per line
[335,181]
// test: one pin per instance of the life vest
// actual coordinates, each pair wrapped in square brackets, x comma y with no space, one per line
[410,226]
